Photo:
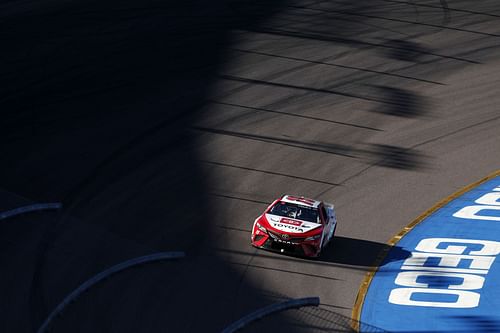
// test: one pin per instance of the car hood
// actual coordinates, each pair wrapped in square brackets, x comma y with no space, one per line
[289,225]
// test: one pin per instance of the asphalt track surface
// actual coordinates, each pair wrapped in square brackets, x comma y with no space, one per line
[167,126]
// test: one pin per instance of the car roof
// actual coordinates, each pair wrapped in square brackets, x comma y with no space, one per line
[301,200]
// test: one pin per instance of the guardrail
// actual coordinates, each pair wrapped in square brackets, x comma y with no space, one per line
[268,310]
[103,275]
[30,208]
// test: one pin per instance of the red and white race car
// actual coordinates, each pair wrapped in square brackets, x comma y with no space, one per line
[295,225]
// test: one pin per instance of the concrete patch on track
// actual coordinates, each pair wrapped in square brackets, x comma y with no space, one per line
[449,283]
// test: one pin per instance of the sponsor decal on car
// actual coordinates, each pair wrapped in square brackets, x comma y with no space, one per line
[290,225]
[292,222]
[283,238]
[291,228]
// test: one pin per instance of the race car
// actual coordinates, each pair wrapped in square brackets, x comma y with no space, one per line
[295,225]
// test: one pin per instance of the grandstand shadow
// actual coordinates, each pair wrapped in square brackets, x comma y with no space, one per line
[96,99]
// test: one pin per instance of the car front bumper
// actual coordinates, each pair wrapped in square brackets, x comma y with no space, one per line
[302,248]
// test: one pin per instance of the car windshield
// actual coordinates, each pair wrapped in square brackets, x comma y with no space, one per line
[295,211]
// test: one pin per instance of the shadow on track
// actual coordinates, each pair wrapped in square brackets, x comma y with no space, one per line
[404,103]
[310,319]
[359,252]
[96,100]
